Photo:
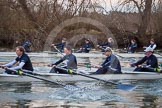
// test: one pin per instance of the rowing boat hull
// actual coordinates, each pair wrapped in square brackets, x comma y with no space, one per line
[69,78]
[98,54]
[13,54]
[134,55]
[52,54]
[84,55]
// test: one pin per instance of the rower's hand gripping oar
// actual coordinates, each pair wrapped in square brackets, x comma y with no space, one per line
[148,68]
[125,87]
[26,73]
[3,67]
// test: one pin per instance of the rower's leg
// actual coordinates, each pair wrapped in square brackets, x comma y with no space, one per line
[10,72]
[53,70]
[101,71]
[61,71]
[138,69]
[145,69]
[149,69]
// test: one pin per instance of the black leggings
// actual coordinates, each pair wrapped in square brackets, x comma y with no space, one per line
[101,71]
[58,70]
[10,72]
[61,71]
[105,70]
[145,69]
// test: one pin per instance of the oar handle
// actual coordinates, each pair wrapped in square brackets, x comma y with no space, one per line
[3,67]
[18,72]
[58,50]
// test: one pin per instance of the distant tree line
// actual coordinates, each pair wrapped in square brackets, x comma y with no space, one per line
[33,20]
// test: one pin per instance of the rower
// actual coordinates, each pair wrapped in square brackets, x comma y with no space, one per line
[22,59]
[152,44]
[71,62]
[109,43]
[110,65]
[86,48]
[27,46]
[151,62]
[133,46]
[61,45]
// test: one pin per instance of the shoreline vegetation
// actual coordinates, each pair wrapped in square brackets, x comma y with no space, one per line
[22,20]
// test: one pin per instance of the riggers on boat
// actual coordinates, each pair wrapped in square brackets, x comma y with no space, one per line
[68,78]
[52,54]
[134,55]
[98,54]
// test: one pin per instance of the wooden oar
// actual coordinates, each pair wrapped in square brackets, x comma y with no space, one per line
[29,74]
[125,87]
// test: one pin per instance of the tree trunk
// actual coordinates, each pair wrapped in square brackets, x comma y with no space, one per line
[145,18]
[40,33]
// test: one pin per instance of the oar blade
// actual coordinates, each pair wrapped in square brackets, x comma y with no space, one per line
[126,87]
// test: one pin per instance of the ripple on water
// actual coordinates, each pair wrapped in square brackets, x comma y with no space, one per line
[153,87]
[91,94]
[87,92]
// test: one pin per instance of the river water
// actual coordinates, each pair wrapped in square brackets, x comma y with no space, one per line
[148,93]
[39,94]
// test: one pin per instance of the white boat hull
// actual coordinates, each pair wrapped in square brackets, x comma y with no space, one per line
[52,54]
[13,54]
[134,55]
[97,54]
[85,55]
[66,77]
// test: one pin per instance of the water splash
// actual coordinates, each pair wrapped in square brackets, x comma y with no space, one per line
[93,93]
